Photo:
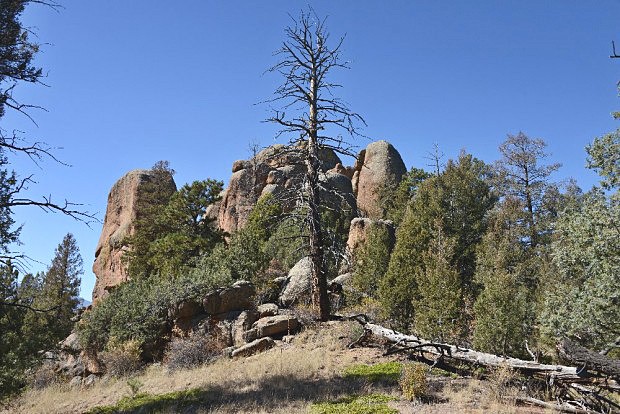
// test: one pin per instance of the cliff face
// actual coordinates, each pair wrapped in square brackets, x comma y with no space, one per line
[119,222]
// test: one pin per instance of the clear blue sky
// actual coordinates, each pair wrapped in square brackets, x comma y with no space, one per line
[134,82]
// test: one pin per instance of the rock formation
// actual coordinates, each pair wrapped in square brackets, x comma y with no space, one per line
[119,223]
[275,170]
[378,166]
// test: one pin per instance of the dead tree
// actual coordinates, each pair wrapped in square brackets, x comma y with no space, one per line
[311,117]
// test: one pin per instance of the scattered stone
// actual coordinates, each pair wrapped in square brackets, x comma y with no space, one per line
[241,325]
[75,382]
[259,345]
[343,280]
[267,309]
[71,344]
[227,352]
[275,326]
[360,228]
[287,339]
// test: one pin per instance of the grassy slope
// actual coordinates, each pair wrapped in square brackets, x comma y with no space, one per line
[285,379]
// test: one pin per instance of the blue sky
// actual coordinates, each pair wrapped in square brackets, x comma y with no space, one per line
[134,82]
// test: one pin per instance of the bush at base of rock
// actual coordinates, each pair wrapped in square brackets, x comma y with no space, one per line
[193,351]
[121,358]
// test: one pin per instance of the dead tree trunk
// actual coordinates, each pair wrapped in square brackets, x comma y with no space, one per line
[402,342]
[580,356]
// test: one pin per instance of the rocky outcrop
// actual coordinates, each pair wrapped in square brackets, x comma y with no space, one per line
[238,297]
[119,223]
[378,166]
[276,170]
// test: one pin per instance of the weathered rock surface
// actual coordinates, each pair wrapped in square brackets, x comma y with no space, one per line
[119,223]
[275,326]
[360,229]
[299,283]
[378,166]
[241,325]
[254,347]
[273,170]
[267,309]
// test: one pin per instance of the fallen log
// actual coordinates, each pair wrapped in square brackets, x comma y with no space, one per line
[594,361]
[411,342]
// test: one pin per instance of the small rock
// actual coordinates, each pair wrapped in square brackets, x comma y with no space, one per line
[227,352]
[75,382]
[90,380]
[259,345]
[287,339]
[71,344]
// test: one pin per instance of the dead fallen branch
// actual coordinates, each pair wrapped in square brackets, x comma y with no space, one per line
[564,408]
[582,389]
[398,340]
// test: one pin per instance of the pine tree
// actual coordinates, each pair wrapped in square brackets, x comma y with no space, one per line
[372,259]
[60,290]
[456,201]
[439,304]
[503,310]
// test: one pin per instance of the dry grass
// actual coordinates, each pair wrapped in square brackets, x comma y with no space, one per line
[285,379]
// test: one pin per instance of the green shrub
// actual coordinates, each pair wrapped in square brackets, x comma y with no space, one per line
[387,372]
[138,311]
[413,381]
[366,404]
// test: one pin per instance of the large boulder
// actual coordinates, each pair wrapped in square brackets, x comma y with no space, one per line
[277,325]
[379,166]
[299,283]
[259,345]
[119,222]
[238,297]
[276,170]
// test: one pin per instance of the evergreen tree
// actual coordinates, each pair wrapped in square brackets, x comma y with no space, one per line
[154,196]
[503,311]
[184,230]
[456,201]
[604,158]
[394,201]
[585,296]
[522,174]
[439,304]
[13,358]
[372,259]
